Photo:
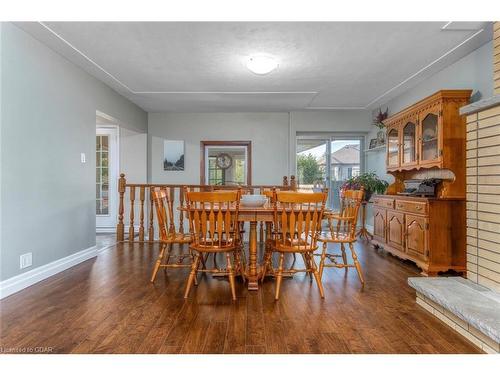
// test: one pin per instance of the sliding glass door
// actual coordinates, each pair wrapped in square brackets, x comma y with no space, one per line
[345,162]
[311,161]
[326,161]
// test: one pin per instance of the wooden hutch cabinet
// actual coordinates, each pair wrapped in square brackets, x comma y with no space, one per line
[425,140]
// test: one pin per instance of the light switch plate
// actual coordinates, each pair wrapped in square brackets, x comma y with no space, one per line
[25,260]
[83,159]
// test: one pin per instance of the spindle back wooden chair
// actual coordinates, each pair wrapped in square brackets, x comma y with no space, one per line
[270,233]
[342,230]
[242,190]
[213,225]
[297,217]
[169,235]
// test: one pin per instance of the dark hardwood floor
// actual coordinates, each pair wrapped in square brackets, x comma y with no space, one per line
[107,305]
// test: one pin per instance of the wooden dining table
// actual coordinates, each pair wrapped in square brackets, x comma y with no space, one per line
[254,215]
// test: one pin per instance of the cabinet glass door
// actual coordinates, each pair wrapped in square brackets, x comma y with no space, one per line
[409,143]
[392,148]
[429,137]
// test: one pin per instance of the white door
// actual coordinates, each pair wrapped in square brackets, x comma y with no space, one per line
[106,178]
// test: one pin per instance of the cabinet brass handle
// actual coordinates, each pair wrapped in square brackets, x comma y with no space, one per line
[418,208]
[400,205]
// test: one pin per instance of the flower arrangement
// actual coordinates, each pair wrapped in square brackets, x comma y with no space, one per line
[369,181]
[380,117]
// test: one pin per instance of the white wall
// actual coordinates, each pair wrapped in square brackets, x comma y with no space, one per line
[474,71]
[273,137]
[48,118]
[267,131]
[134,155]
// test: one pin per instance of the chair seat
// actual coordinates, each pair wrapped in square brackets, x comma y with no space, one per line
[335,237]
[215,246]
[177,238]
[296,245]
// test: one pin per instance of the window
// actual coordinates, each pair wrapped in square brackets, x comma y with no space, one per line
[102,175]
[215,174]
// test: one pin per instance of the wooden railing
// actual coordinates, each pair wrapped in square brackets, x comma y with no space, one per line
[137,200]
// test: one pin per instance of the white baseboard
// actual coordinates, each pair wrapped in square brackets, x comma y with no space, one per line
[26,279]
[113,229]
[106,230]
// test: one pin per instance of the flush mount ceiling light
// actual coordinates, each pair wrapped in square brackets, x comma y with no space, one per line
[262,64]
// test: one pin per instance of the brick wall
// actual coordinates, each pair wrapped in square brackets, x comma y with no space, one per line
[483,186]
[483,197]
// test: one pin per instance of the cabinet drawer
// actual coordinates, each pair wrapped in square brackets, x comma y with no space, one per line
[414,207]
[384,202]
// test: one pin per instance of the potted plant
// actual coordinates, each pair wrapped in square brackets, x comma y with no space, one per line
[369,181]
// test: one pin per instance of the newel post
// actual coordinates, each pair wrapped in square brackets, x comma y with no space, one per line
[285,181]
[120,228]
[293,183]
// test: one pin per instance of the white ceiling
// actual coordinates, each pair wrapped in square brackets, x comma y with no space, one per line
[200,66]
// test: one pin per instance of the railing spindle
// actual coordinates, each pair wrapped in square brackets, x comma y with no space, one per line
[131,231]
[141,218]
[181,215]
[151,231]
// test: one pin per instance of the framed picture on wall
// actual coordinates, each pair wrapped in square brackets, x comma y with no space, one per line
[173,155]
[373,143]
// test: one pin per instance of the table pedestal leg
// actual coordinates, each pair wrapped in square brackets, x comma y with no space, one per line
[252,274]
